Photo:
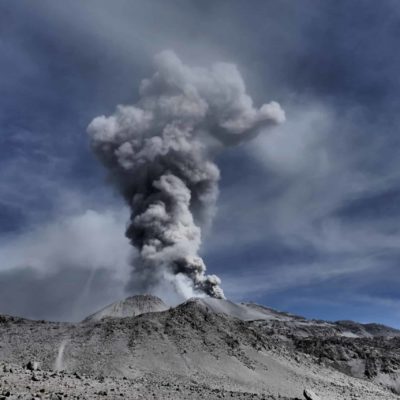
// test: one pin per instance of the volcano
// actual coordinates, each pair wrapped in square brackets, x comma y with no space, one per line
[203,348]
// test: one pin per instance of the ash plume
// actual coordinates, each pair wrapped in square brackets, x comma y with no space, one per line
[159,154]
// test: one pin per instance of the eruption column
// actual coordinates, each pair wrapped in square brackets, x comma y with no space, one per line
[159,154]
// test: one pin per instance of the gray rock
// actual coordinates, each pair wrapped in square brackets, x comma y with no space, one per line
[32,366]
[310,395]
[77,375]
[35,378]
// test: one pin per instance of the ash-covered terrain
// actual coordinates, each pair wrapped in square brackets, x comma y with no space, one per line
[140,348]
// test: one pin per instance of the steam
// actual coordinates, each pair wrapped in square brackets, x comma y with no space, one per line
[159,154]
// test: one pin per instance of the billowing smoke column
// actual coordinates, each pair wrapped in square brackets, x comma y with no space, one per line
[159,154]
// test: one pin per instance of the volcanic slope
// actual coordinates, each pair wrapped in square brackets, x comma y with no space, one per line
[201,348]
[130,307]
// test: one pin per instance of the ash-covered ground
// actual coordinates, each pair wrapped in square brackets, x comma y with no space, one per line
[140,348]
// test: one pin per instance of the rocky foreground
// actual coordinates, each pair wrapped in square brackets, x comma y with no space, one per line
[203,348]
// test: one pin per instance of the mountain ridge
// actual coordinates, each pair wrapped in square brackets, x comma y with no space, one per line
[209,347]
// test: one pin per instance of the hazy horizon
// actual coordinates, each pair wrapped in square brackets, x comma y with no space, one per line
[307,215]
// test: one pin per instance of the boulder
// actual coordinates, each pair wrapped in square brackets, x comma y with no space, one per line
[310,395]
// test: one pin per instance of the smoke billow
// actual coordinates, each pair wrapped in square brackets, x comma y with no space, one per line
[159,154]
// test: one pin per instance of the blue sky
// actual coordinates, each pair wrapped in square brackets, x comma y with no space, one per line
[308,215]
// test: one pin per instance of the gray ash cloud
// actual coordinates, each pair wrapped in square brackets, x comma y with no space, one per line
[159,153]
